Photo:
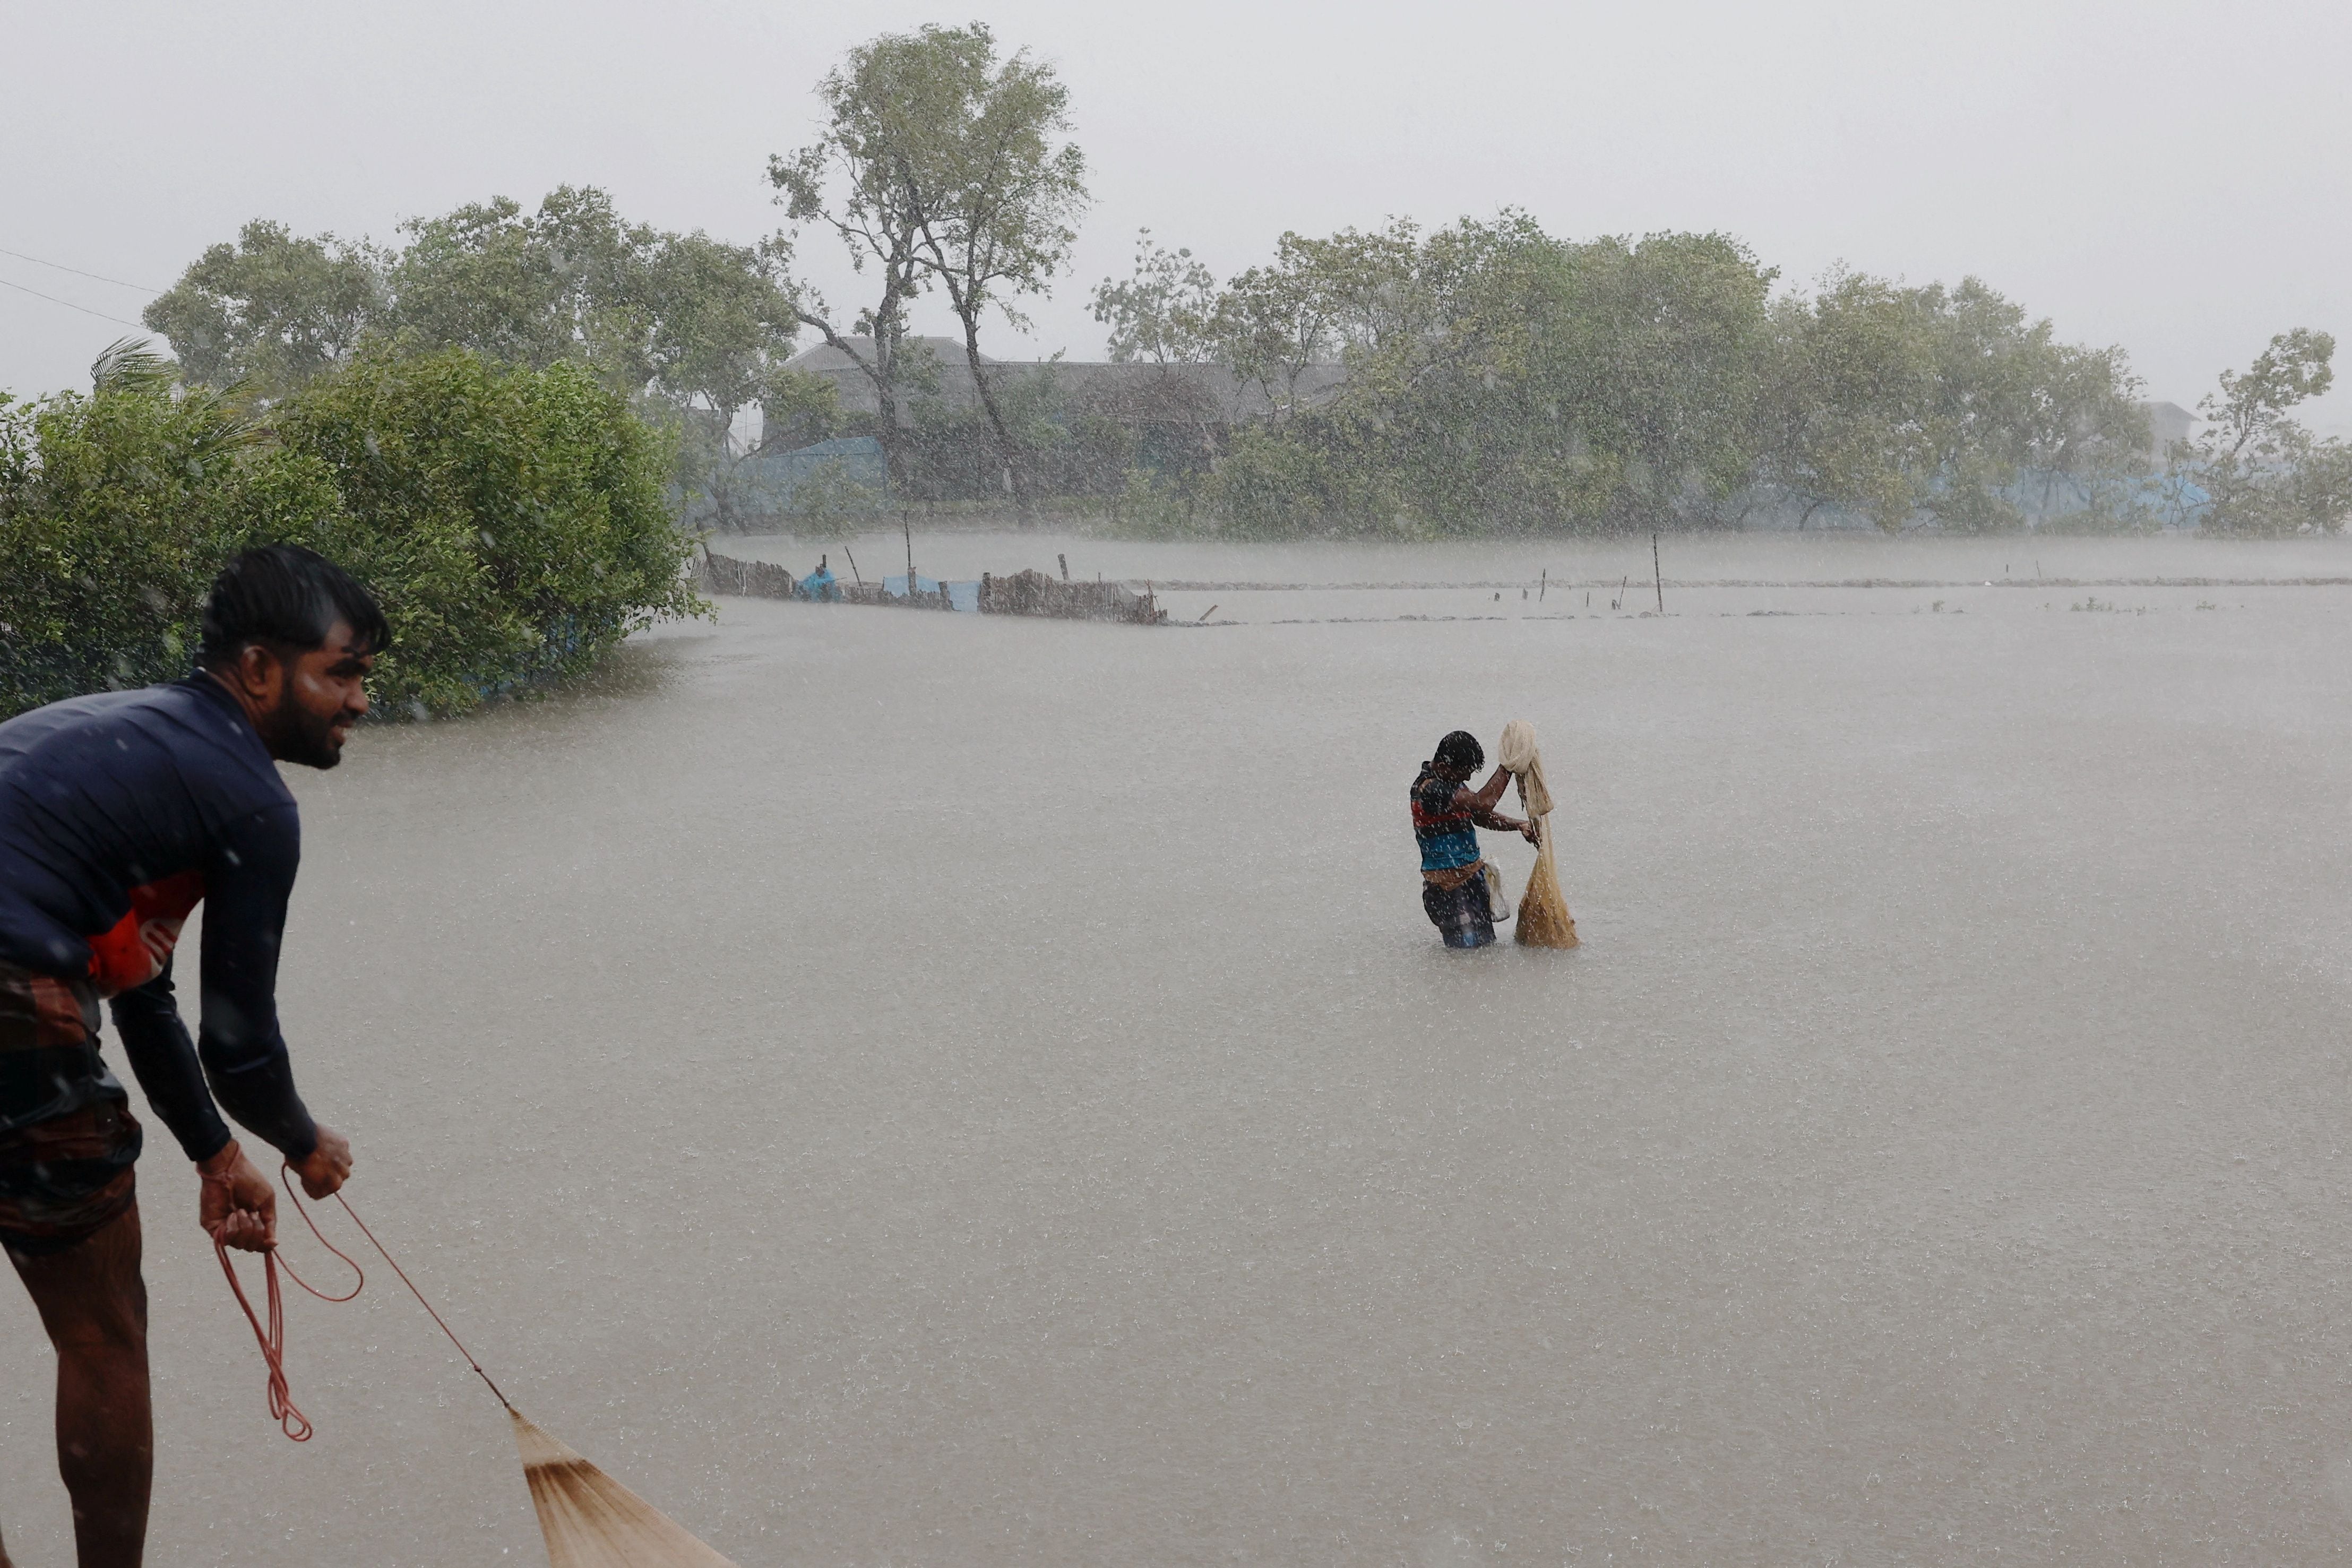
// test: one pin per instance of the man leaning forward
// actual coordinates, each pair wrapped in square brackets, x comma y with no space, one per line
[118,813]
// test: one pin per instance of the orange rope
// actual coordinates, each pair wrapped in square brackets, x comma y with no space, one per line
[421,1301]
[272,1338]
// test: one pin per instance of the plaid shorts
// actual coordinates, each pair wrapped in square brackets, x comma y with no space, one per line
[1460,914]
[67,1135]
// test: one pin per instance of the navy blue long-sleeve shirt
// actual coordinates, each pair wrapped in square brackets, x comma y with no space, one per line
[118,813]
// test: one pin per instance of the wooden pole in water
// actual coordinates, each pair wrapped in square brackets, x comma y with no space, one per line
[1656,575]
[906,521]
[1543,585]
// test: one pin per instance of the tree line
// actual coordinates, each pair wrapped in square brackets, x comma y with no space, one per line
[1486,376]
[1499,378]
[690,330]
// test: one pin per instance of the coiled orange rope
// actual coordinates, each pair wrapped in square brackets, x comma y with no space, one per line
[272,1339]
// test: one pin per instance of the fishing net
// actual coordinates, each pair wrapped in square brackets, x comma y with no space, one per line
[1544,919]
[592,1521]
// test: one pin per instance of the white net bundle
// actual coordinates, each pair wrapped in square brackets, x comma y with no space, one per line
[1544,919]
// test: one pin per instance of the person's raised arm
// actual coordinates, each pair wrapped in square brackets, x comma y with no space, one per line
[1483,798]
[1480,804]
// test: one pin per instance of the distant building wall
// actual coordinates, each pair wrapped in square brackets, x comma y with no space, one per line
[2168,423]
[935,369]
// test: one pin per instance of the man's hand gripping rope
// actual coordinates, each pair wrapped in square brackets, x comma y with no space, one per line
[239,1208]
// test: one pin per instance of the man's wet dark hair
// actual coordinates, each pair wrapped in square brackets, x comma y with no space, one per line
[1461,750]
[289,598]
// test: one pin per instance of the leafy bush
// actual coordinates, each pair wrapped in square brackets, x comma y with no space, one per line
[512,522]
[115,509]
[1272,486]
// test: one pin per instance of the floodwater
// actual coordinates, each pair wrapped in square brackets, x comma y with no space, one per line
[909,1088]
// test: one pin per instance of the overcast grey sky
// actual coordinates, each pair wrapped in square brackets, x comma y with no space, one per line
[2165,175]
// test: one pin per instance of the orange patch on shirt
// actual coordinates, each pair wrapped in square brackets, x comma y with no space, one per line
[135,950]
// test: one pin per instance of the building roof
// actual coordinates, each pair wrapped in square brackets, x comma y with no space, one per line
[1135,393]
[824,358]
[2168,423]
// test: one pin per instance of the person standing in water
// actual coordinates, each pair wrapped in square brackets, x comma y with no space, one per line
[1446,815]
[118,813]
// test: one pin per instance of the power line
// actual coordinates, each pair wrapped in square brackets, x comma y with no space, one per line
[77,271]
[69,305]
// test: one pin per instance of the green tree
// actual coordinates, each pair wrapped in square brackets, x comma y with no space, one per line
[951,173]
[1499,378]
[1468,390]
[1896,403]
[693,328]
[570,283]
[723,322]
[1160,314]
[1373,288]
[1344,297]
[798,408]
[1671,367]
[1272,323]
[697,320]
[1001,191]
[2319,483]
[877,214]
[1989,364]
[2265,473]
[1848,404]
[274,309]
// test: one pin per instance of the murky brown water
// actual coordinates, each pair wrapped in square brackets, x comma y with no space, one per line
[917,1089]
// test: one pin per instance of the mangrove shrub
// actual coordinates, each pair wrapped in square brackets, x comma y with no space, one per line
[511,521]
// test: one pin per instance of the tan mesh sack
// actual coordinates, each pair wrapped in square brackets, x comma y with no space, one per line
[1544,919]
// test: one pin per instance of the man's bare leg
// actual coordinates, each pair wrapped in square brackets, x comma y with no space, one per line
[93,1303]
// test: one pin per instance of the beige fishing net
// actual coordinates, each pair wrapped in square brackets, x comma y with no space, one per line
[592,1521]
[1544,919]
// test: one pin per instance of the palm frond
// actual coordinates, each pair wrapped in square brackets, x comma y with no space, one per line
[131,365]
